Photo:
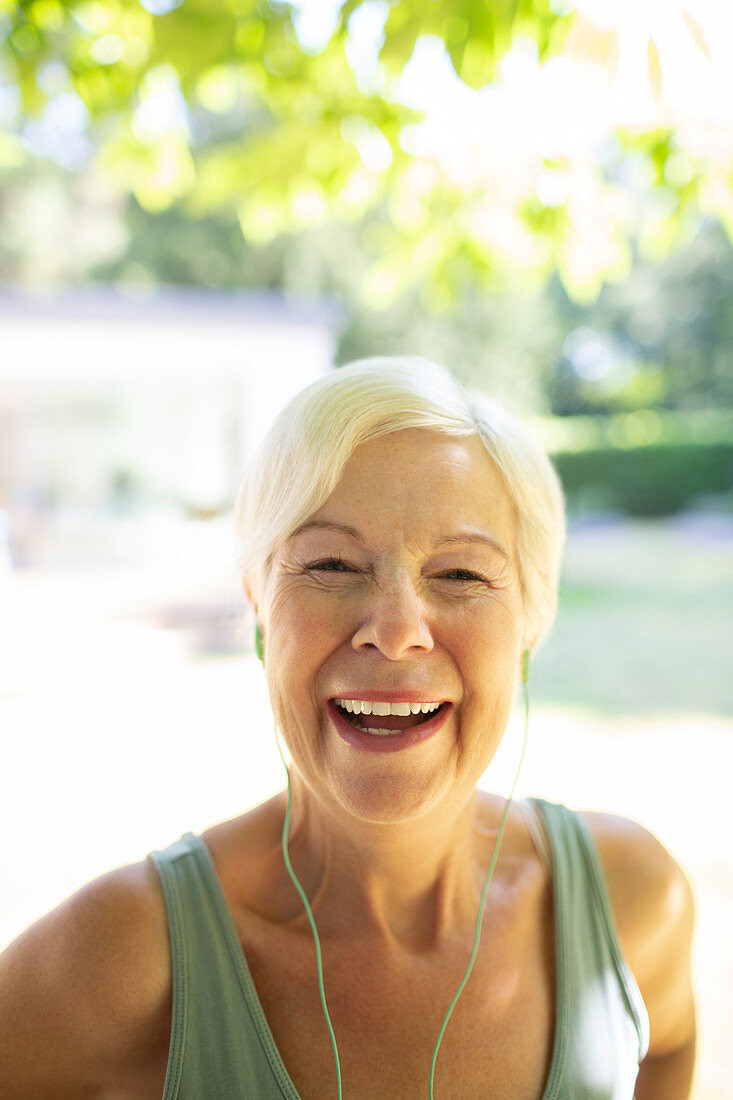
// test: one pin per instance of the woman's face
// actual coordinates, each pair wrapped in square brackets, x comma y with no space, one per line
[403,589]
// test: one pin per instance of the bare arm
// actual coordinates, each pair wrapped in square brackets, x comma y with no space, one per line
[665,981]
[84,993]
[667,1076]
[654,911]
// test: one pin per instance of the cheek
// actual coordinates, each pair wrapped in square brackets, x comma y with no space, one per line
[303,633]
[490,652]
[494,635]
[291,670]
[291,622]
[302,615]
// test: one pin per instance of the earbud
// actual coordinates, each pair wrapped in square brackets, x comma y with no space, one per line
[525,666]
[259,644]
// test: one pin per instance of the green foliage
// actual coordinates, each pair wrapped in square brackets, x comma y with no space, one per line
[230,56]
[284,136]
[656,480]
[476,36]
[665,332]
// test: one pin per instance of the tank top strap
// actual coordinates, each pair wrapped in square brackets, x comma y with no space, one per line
[221,1044]
[599,1005]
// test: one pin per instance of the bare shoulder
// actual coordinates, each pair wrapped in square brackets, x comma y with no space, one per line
[85,992]
[649,890]
[653,907]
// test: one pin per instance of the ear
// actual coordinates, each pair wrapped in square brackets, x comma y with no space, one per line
[249,593]
[529,638]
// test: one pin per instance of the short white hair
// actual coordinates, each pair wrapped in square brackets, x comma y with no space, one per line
[301,459]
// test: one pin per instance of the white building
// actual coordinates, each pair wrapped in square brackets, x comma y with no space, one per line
[112,401]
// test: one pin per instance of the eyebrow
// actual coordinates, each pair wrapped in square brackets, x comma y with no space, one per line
[483,538]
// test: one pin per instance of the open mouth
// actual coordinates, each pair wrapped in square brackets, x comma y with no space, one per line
[378,727]
[387,719]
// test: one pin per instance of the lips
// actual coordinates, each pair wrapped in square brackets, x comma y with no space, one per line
[396,732]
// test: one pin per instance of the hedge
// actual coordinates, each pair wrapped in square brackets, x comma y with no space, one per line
[655,480]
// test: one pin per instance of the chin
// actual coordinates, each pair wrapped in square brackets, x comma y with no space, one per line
[385,800]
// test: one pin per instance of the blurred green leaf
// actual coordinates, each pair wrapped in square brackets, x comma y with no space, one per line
[217,106]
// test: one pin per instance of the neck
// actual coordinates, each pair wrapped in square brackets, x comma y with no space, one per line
[414,883]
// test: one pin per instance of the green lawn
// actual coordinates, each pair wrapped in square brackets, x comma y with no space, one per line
[645,620]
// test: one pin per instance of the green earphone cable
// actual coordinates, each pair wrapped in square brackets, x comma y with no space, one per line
[479,919]
[311,918]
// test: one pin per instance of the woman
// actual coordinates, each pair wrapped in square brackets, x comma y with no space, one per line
[401,545]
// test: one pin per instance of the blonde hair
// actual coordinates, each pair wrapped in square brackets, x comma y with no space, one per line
[302,457]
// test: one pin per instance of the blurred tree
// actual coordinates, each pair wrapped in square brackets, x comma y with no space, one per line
[221,106]
[661,338]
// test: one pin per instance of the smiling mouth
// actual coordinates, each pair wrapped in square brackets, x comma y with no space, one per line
[382,725]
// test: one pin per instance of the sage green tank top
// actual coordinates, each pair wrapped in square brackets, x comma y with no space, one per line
[221,1046]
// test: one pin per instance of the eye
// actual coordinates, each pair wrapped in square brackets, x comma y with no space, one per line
[463,575]
[329,565]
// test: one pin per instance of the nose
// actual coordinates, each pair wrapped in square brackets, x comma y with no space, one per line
[396,622]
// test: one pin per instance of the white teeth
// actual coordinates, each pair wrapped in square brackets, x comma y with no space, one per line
[362,706]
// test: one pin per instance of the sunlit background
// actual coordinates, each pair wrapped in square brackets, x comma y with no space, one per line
[203,207]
